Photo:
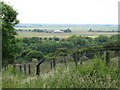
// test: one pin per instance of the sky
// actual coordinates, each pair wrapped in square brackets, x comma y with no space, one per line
[66,11]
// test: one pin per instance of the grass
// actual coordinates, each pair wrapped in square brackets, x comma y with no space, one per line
[0,79]
[94,75]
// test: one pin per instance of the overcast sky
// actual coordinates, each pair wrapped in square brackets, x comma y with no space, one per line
[66,11]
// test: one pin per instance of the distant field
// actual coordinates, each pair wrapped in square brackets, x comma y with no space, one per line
[60,35]
[75,31]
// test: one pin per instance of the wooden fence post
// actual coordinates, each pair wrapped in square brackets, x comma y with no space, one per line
[25,68]
[75,59]
[65,62]
[5,68]
[107,57]
[38,70]
[14,66]
[51,64]
[29,69]
[82,56]
[54,63]
[81,62]
[20,67]
[78,56]
[38,67]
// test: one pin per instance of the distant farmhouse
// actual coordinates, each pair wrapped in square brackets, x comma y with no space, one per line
[58,31]
[47,31]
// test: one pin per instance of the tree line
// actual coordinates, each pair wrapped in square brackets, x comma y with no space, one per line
[46,31]
[35,47]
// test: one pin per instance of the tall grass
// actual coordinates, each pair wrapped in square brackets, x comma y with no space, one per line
[90,75]
[0,79]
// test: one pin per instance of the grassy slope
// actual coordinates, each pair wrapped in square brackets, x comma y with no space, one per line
[94,75]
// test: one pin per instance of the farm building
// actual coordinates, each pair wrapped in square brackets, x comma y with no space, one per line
[58,31]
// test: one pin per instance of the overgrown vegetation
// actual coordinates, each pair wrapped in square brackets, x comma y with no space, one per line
[94,75]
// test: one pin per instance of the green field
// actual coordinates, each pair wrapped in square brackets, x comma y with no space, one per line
[75,31]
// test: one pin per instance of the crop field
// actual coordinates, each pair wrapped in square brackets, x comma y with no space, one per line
[75,31]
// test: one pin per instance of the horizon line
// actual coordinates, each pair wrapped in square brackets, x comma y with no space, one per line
[67,23]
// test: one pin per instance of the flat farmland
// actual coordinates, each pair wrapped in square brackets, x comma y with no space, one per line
[43,35]
[83,30]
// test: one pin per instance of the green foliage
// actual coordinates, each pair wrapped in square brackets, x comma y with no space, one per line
[31,40]
[84,58]
[9,20]
[79,41]
[34,54]
[102,39]
[115,38]
[50,56]
[114,46]
[65,44]
[50,38]
[62,52]
[24,53]
[56,39]
[48,47]
[45,38]
[84,45]
[89,52]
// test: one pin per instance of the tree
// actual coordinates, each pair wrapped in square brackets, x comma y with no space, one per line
[23,54]
[9,20]
[45,38]
[78,41]
[62,51]
[56,39]
[27,40]
[115,38]
[102,39]
[48,47]
[68,45]
[50,38]
[34,54]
